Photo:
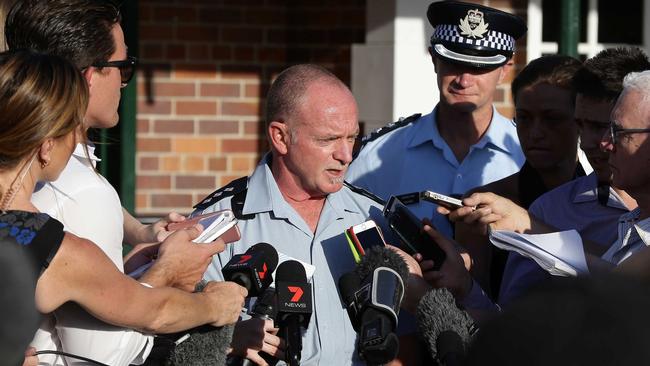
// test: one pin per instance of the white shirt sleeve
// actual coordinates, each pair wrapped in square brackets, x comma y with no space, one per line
[89,207]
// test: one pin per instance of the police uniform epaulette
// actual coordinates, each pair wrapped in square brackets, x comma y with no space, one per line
[236,186]
[364,193]
[389,127]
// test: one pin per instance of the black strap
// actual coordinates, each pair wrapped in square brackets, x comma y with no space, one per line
[364,193]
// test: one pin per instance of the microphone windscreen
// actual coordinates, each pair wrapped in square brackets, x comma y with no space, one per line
[437,312]
[270,254]
[291,271]
[380,256]
[207,345]
[349,283]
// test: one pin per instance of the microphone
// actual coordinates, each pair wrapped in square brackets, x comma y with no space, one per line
[294,307]
[204,345]
[265,308]
[252,269]
[444,328]
[379,300]
[349,284]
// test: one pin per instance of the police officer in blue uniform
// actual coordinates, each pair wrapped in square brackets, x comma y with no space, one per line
[464,142]
[296,200]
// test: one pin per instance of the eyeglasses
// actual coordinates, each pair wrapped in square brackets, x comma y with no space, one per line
[127,67]
[615,130]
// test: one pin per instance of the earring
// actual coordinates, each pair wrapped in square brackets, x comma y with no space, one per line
[44,163]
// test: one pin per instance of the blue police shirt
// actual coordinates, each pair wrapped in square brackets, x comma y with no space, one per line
[416,158]
[573,205]
[330,338]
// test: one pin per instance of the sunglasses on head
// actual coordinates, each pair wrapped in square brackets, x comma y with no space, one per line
[127,67]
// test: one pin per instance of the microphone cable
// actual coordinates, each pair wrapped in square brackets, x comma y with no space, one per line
[66,354]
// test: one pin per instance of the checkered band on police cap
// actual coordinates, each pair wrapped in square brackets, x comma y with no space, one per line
[493,39]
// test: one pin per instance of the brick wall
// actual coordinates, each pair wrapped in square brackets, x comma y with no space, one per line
[503,98]
[205,68]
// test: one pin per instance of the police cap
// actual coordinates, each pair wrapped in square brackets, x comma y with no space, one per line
[472,34]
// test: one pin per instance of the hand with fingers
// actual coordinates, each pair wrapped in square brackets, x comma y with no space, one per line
[181,263]
[228,298]
[416,286]
[257,335]
[485,208]
[453,274]
[158,230]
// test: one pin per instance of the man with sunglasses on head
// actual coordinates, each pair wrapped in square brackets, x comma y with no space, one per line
[88,33]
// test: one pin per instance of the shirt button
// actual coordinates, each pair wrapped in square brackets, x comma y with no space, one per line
[459,176]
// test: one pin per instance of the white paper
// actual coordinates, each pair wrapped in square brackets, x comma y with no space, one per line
[560,253]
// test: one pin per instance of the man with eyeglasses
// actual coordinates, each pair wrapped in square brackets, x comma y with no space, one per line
[591,205]
[628,144]
[88,33]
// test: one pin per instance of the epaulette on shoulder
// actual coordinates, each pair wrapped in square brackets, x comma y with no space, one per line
[389,127]
[365,193]
[236,186]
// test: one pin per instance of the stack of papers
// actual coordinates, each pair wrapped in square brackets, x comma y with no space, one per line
[560,253]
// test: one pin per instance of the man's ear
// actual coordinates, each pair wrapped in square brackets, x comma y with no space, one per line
[45,152]
[506,69]
[88,74]
[280,136]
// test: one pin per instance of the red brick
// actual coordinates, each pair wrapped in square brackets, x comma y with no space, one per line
[217,164]
[174,89]
[198,52]
[240,108]
[173,126]
[197,145]
[241,35]
[154,70]
[265,16]
[194,182]
[153,181]
[255,128]
[144,13]
[148,163]
[156,32]
[252,90]
[183,201]
[174,13]
[241,72]
[218,127]
[240,145]
[198,33]
[196,108]
[272,54]
[141,201]
[143,125]
[176,52]
[157,107]
[153,144]
[220,52]
[225,179]
[220,90]
[152,51]
[196,71]
[244,53]
[221,15]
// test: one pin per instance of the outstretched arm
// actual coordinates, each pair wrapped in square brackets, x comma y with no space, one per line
[80,272]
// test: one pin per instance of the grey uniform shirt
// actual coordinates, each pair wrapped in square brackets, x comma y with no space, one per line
[330,338]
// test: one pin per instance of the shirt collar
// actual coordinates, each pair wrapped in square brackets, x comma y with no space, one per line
[262,189]
[586,190]
[426,129]
[264,195]
[80,152]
